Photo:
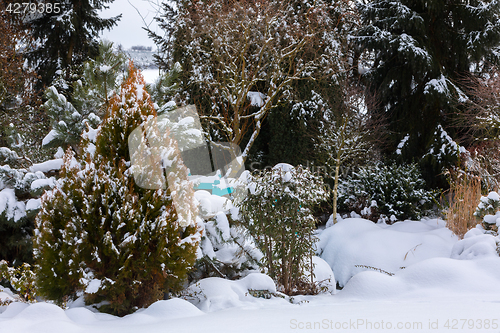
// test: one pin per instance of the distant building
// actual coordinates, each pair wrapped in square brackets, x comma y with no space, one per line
[143,57]
[141,48]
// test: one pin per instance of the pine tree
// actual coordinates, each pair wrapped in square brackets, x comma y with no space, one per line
[72,110]
[101,233]
[67,35]
[419,50]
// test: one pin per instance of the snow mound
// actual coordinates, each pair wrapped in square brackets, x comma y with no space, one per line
[476,244]
[81,315]
[214,294]
[42,312]
[172,308]
[322,274]
[354,245]
[429,278]
[13,309]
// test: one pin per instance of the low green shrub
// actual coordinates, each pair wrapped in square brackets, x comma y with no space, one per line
[388,192]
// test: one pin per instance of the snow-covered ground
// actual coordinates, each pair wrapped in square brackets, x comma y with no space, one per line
[445,285]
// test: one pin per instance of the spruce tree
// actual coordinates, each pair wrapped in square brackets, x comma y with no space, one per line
[100,233]
[419,49]
[67,35]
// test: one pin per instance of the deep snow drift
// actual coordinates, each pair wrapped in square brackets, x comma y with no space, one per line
[446,284]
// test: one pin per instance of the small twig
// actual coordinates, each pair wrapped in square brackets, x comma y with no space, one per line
[376,269]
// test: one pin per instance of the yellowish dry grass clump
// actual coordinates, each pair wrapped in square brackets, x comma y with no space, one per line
[465,193]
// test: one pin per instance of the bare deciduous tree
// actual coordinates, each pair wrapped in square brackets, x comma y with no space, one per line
[351,134]
[481,119]
[246,54]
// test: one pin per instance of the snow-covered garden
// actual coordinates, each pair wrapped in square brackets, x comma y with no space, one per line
[290,165]
[413,276]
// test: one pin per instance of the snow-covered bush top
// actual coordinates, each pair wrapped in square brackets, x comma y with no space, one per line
[398,192]
[488,211]
[444,147]
[284,180]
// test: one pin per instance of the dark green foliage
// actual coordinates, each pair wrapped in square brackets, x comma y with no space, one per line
[18,207]
[15,231]
[443,153]
[73,106]
[99,233]
[419,50]
[398,192]
[277,213]
[488,210]
[165,88]
[67,38]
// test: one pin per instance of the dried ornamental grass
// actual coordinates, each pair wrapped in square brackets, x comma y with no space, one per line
[465,192]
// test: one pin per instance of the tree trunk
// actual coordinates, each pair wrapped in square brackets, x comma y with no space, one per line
[335,190]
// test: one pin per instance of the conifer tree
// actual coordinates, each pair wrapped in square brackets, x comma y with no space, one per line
[67,35]
[72,110]
[100,233]
[419,49]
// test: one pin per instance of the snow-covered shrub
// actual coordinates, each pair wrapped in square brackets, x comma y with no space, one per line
[391,192]
[488,211]
[19,202]
[277,213]
[476,243]
[226,249]
[443,153]
[22,278]
[100,234]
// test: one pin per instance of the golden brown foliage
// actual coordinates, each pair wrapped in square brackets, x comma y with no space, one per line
[465,192]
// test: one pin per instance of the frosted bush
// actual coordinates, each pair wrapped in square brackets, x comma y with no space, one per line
[387,193]
[488,211]
[277,213]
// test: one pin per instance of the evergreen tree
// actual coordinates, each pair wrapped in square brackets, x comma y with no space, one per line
[67,35]
[88,100]
[20,190]
[100,233]
[419,49]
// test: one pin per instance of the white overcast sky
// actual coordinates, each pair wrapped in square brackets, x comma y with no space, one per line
[129,30]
